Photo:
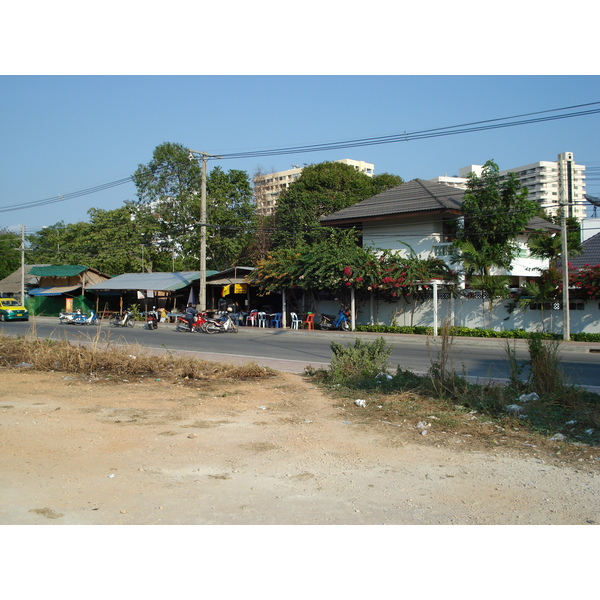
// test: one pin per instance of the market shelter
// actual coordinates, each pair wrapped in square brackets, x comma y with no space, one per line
[170,291]
[62,287]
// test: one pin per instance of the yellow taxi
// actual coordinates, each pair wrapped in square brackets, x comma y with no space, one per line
[11,310]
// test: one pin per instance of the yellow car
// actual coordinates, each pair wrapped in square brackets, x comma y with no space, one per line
[11,310]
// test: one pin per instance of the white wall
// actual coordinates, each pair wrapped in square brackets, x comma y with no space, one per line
[473,313]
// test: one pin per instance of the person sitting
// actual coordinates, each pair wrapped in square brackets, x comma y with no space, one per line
[191,314]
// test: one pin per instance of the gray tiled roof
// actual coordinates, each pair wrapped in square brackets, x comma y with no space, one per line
[413,196]
[590,256]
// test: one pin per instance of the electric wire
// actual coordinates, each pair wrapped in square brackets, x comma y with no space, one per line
[394,138]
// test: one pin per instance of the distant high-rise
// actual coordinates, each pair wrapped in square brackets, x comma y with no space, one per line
[268,188]
[549,183]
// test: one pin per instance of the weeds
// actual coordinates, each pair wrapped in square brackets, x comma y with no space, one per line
[546,376]
[111,360]
[556,407]
[358,362]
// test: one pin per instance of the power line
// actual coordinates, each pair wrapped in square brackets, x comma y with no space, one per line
[388,139]
[63,197]
[419,135]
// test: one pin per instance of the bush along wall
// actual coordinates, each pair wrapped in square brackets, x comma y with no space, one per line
[481,333]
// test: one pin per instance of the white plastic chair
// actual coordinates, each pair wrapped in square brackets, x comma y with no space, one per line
[262,319]
[295,321]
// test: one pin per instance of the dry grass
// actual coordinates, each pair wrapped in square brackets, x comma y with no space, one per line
[108,360]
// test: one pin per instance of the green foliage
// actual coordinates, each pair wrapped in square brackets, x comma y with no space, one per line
[114,242]
[169,189]
[358,362]
[231,217]
[479,333]
[542,244]
[495,212]
[320,190]
[545,374]
[339,264]
[10,256]
[587,280]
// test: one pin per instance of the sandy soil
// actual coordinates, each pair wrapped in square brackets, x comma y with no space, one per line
[276,451]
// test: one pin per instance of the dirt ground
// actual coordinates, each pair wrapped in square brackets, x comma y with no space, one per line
[274,451]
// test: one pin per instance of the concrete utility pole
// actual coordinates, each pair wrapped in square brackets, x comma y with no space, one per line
[202,291]
[22,265]
[565,166]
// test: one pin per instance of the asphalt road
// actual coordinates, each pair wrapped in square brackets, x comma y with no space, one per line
[291,350]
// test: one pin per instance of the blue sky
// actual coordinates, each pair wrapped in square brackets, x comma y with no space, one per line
[63,134]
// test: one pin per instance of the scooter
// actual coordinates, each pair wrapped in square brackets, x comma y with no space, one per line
[81,319]
[221,325]
[341,321]
[122,320]
[152,319]
[66,318]
[197,325]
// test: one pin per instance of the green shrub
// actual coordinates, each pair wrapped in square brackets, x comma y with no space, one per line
[520,334]
[358,362]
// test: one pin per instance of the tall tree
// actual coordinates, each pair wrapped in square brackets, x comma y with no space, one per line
[114,242]
[320,190]
[10,257]
[169,188]
[231,217]
[495,211]
[548,246]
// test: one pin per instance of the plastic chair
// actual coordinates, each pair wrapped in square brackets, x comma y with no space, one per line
[262,319]
[276,320]
[295,321]
[251,318]
[309,321]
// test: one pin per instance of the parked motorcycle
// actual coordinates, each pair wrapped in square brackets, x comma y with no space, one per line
[82,319]
[197,325]
[152,318]
[223,324]
[341,321]
[124,319]
[66,318]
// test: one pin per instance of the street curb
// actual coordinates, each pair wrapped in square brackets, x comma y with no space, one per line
[397,338]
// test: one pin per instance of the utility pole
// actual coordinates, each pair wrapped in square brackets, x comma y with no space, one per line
[23,265]
[202,292]
[565,165]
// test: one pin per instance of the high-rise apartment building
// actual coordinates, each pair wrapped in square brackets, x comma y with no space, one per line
[550,183]
[268,188]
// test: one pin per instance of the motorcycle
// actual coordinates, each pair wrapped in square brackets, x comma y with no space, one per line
[152,319]
[198,324]
[81,319]
[223,324]
[341,321]
[122,320]
[66,318]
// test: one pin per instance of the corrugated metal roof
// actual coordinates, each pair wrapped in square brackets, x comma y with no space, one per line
[58,270]
[53,291]
[165,282]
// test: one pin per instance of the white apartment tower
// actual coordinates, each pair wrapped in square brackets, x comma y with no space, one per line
[268,188]
[549,183]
